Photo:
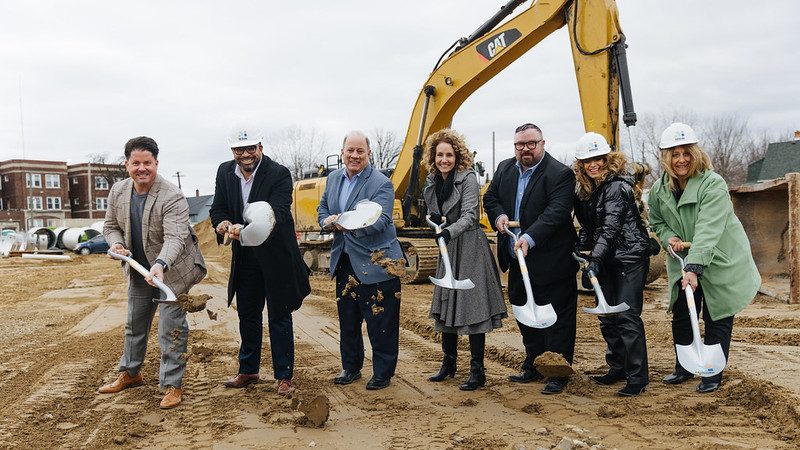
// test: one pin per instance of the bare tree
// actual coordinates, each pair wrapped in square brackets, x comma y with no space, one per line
[385,148]
[726,138]
[300,149]
[112,171]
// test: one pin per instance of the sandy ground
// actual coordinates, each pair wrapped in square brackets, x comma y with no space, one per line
[61,332]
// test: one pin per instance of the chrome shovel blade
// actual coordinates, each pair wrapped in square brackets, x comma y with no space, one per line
[604,309]
[452,284]
[708,361]
[535,316]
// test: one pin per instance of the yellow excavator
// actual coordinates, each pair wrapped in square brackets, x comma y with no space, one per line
[598,51]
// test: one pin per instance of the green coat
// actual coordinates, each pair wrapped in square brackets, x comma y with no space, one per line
[704,216]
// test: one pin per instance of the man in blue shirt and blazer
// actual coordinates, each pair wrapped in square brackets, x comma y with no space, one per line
[365,291]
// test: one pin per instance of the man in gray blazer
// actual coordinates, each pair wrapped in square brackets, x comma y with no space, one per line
[148,219]
[365,291]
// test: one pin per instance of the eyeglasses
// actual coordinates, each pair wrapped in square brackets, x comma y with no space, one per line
[240,151]
[530,144]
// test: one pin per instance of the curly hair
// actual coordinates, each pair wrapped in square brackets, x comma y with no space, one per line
[456,140]
[700,163]
[616,164]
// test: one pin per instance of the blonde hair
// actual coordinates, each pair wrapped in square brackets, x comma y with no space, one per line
[616,164]
[456,140]
[700,163]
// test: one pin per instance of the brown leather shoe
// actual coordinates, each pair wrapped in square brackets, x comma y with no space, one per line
[123,381]
[241,380]
[285,387]
[172,398]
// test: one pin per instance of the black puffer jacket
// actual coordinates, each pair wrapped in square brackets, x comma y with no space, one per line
[611,226]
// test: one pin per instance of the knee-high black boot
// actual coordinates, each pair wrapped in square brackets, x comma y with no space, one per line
[477,373]
[449,348]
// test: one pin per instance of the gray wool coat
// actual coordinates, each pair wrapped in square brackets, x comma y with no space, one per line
[476,310]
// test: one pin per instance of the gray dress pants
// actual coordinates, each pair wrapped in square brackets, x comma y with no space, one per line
[173,333]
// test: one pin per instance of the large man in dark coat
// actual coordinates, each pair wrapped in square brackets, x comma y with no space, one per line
[272,272]
[537,190]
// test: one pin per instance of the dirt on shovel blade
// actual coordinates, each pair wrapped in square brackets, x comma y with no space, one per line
[552,364]
[193,303]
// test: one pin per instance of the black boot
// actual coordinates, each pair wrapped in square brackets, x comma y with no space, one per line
[477,373]
[449,348]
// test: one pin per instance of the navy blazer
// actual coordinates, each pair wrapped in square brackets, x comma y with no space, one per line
[545,215]
[284,274]
[361,244]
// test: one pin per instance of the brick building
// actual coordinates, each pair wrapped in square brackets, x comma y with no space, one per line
[89,185]
[37,193]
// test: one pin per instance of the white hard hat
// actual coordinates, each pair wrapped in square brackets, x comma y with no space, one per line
[677,134]
[244,136]
[591,145]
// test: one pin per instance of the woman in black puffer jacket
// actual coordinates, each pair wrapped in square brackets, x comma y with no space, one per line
[613,230]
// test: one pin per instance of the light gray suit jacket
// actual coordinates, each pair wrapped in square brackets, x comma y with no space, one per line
[361,244]
[166,233]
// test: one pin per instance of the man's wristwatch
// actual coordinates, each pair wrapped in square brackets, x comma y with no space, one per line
[163,264]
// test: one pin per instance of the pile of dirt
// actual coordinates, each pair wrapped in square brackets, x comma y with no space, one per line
[207,240]
[765,402]
[552,364]
[193,303]
[315,412]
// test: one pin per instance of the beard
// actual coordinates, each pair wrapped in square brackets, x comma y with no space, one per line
[247,167]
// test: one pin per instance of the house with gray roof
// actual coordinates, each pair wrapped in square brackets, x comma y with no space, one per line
[199,207]
[781,158]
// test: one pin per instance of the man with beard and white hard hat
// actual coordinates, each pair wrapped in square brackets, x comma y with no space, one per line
[253,192]
[148,219]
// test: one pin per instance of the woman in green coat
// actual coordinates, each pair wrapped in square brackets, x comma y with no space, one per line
[690,202]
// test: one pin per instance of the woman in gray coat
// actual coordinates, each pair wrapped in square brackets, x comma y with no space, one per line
[452,193]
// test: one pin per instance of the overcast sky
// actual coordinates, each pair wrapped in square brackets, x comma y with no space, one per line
[95,73]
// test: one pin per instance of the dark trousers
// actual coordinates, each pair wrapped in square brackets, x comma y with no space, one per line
[559,337]
[377,305]
[716,332]
[626,353]
[250,300]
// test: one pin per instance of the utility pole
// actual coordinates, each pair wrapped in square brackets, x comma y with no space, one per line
[178,175]
[28,175]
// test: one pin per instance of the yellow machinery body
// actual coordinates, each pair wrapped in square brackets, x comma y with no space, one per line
[594,36]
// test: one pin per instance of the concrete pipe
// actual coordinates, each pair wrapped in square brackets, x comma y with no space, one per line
[98,226]
[59,232]
[42,238]
[74,236]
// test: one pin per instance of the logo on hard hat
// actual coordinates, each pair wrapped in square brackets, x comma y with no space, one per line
[593,146]
[243,135]
[680,135]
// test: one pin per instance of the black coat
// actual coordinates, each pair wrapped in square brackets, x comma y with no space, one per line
[611,226]
[284,274]
[545,215]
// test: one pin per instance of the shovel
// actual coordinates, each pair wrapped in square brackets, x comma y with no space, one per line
[697,357]
[366,213]
[531,314]
[602,308]
[448,281]
[146,273]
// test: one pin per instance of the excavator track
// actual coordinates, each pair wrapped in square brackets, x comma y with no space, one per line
[423,257]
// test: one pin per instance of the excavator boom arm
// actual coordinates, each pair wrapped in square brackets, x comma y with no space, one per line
[594,32]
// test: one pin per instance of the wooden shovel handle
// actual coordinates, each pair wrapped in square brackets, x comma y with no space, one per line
[513,224]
